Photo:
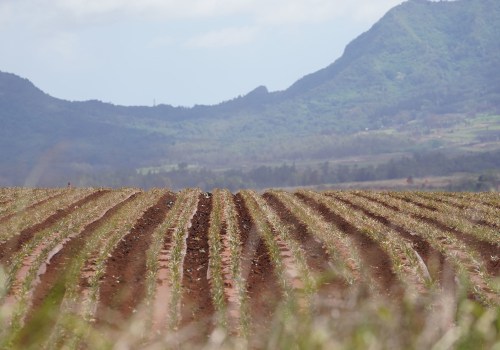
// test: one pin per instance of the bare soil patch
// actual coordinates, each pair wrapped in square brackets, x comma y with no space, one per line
[262,288]
[51,288]
[123,283]
[196,306]
[317,257]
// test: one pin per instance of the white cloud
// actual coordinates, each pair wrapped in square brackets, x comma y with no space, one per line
[224,37]
[153,8]
[262,11]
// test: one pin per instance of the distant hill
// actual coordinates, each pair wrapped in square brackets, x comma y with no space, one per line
[421,57]
[422,62]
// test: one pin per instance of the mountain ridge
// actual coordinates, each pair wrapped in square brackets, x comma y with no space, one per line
[420,60]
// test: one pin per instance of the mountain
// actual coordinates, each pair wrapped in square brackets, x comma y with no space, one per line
[423,65]
[422,57]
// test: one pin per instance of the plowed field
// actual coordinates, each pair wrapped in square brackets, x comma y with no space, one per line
[102,268]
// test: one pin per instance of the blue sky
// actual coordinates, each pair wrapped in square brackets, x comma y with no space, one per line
[178,52]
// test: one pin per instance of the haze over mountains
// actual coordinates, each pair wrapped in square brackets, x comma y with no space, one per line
[424,65]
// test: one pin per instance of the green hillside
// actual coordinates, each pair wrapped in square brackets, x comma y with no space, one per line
[424,77]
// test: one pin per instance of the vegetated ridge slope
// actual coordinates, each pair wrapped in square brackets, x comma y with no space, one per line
[422,59]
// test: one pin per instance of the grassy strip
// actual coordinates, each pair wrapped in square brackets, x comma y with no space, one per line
[158,235]
[347,261]
[215,262]
[17,200]
[406,261]
[94,254]
[30,217]
[466,262]
[36,251]
[235,253]
[265,231]
[153,255]
[284,235]
[488,198]
[177,252]
[451,217]
[473,210]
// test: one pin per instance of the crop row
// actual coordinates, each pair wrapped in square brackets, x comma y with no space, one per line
[155,267]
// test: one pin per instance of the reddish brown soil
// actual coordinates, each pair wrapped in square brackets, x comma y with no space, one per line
[316,254]
[196,305]
[14,244]
[245,223]
[439,268]
[51,288]
[375,259]
[263,290]
[317,257]
[128,265]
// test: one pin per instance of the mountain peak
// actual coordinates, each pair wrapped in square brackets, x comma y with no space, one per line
[423,59]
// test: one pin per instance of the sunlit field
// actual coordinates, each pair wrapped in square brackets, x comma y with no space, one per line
[126,268]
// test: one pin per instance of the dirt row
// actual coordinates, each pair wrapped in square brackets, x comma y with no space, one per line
[487,251]
[375,259]
[10,247]
[437,265]
[262,287]
[32,206]
[127,264]
[51,288]
[196,303]
[127,261]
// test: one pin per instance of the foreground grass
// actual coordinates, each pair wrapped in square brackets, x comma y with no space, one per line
[438,321]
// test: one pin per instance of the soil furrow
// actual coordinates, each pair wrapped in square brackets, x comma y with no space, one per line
[231,296]
[437,265]
[262,289]
[51,288]
[127,264]
[490,253]
[245,223]
[378,201]
[317,257]
[196,306]
[376,260]
[14,244]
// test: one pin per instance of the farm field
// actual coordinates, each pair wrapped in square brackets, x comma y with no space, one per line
[101,268]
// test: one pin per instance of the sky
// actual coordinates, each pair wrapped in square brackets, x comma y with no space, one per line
[177,52]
